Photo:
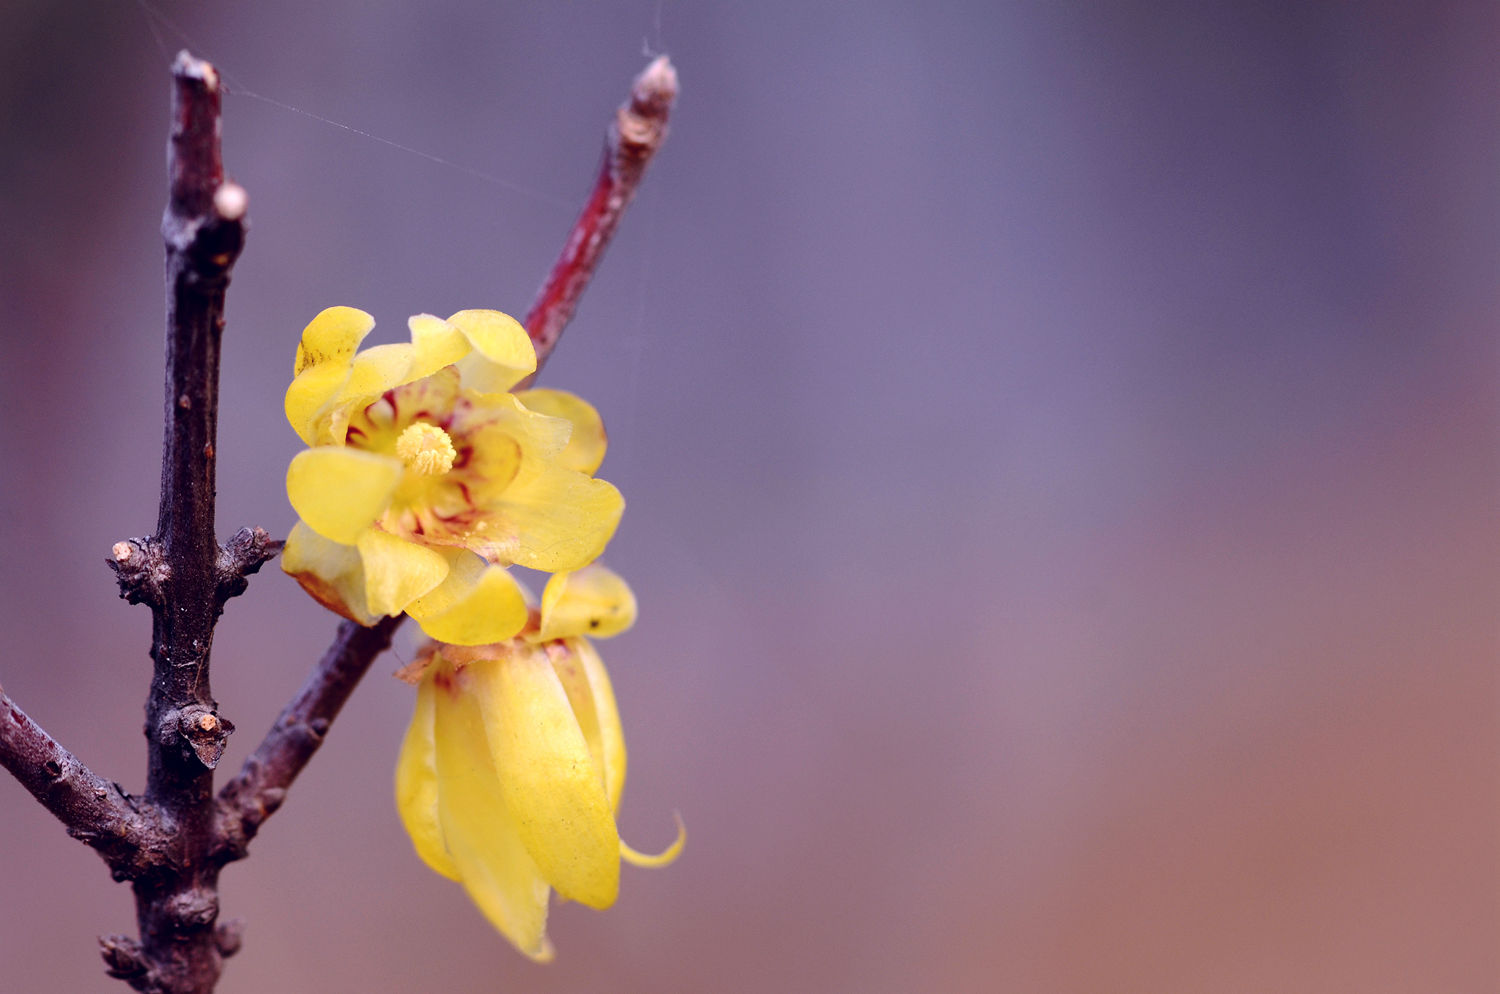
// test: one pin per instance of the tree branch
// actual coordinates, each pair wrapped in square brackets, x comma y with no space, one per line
[93,810]
[255,794]
[639,129]
[204,230]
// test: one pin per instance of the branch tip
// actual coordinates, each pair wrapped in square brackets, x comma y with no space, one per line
[655,88]
[189,67]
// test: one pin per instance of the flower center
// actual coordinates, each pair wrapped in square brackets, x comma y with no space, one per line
[426,449]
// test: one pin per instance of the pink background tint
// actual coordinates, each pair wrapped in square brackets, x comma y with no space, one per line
[1060,442]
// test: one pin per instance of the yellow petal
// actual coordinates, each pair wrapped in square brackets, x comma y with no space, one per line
[464,571]
[397,572]
[435,344]
[561,520]
[475,605]
[593,601]
[374,371]
[532,511]
[581,672]
[588,441]
[503,435]
[478,827]
[495,457]
[503,354]
[332,337]
[547,776]
[330,572]
[324,357]
[665,857]
[308,397]
[339,491]
[417,785]
[538,435]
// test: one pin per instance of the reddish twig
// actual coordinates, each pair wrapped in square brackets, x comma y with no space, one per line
[259,788]
[639,129]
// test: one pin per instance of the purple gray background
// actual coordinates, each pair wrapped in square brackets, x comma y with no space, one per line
[1060,450]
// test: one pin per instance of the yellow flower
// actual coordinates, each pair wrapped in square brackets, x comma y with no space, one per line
[425,478]
[513,766]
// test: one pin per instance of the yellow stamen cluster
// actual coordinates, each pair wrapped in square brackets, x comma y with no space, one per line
[426,449]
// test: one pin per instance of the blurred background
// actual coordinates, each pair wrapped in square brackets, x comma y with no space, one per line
[1060,442]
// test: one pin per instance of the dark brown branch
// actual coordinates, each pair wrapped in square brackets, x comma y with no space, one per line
[95,811]
[252,796]
[639,129]
[204,230]
[162,842]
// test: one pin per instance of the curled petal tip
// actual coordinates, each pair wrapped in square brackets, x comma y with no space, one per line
[664,858]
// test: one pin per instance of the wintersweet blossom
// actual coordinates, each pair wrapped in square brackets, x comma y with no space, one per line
[424,478]
[513,766]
